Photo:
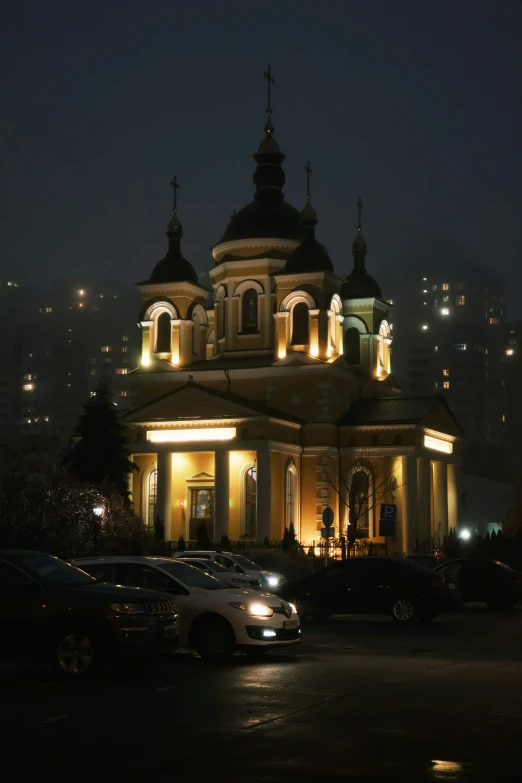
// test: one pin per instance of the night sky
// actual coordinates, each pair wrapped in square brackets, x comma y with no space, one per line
[416,106]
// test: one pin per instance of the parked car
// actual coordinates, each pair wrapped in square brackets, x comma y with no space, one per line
[485,580]
[239,565]
[50,609]
[215,620]
[430,561]
[370,585]
[230,578]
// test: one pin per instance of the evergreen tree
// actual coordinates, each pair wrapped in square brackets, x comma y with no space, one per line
[181,544]
[99,453]
[159,529]
[225,542]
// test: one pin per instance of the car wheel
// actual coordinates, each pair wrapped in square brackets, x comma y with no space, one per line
[214,639]
[403,610]
[75,653]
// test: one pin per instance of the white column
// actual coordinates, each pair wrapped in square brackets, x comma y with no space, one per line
[409,503]
[453,496]
[221,505]
[163,500]
[264,495]
[423,504]
[440,497]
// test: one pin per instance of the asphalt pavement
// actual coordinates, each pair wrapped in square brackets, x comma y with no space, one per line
[360,699]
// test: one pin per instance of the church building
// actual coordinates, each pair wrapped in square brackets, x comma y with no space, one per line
[271,397]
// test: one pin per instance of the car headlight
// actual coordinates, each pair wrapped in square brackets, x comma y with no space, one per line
[255,609]
[272,581]
[293,608]
[127,608]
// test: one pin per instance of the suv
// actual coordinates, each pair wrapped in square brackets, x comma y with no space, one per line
[52,610]
[240,565]
[215,619]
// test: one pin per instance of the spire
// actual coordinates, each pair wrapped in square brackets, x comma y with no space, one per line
[308,213]
[269,128]
[359,247]
[174,228]
[269,176]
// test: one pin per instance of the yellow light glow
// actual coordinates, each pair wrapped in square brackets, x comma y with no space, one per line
[281,353]
[175,359]
[185,436]
[145,360]
[314,351]
[437,444]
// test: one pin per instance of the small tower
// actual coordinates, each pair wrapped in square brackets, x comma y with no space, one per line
[173,318]
[367,335]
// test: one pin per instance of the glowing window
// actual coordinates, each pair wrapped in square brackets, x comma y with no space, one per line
[28,387]
[106,349]
[461,300]
[444,311]
[445,373]
[445,286]
[125,339]
[509,351]
[424,327]
[446,385]
[122,371]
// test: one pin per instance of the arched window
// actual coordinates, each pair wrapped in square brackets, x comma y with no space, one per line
[163,333]
[300,324]
[250,503]
[249,312]
[291,498]
[220,301]
[152,495]
[352,346]
[360,491]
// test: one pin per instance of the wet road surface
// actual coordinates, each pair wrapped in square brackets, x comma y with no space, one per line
[360,699]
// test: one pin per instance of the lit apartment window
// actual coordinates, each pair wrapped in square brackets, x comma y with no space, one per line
[434,287]
[80,304]
[436,348]
[436,384]
[122,371]
[444,311]
[28,377]
[37,419]
[81,292]
[46,418]
[445,298]
[424,279]
[445,372]
[125,339]
[106,349]
[124,349]
[461,300]
[509,351]
[494,321]
[446,385]
[48,309]
[28,421]
[93,394]
[28,386]
[93,372]
[461,346]
[424,327]
[445,286]
[123,394]
[503,417]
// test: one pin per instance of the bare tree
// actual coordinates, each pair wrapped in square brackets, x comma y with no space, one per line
[370,478]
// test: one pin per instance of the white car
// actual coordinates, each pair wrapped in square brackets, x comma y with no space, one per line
[238,564]
[215,620]
[230,578]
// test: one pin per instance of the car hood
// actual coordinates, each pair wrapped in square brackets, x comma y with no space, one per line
[119,594]
[233,595]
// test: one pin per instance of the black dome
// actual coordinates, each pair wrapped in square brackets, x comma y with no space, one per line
[309,258]
[264,219]
[360,285]
[174,269]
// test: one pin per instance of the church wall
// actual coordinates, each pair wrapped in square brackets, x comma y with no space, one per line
[184,467]
[309,530]
[278,467]
[239,461]
[143,461]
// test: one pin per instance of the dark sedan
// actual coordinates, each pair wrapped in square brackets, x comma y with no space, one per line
[373,585]
[51,610]
[485,580]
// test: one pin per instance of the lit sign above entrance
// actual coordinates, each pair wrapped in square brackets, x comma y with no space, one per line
[437,444]
[187,436]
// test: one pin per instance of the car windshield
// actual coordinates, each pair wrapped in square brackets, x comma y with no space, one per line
[51,570]
[244,562]
[192,577]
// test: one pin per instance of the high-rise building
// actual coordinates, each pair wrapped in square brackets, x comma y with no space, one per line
[70,337]
[449,334]
[513,390]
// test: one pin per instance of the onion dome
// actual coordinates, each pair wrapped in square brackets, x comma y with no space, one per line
[310,256]
[268,215]
[359,284]
[174,268]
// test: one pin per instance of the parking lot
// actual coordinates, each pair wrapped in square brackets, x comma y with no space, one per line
[360,699]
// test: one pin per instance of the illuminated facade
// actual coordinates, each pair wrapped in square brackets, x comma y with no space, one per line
[273,399]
